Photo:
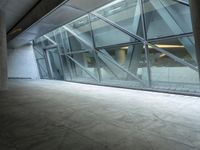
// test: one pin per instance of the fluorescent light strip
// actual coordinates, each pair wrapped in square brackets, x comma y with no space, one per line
[167,46]
[110,4]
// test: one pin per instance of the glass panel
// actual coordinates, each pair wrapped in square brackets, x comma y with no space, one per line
[42,69]
[51,35]
[66,67]
[45,41]
[38,53]
[55,64]
[125,13]
[65,40]
[79,32]
[84,69]
[105,34]
[183,47]
[59,41]
[165,18]
[38,42]
[171,75]
[131,58]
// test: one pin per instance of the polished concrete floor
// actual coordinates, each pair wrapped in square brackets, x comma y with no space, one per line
[56,115]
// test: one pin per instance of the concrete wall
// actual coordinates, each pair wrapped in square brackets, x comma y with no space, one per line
[3,52]
[22,63]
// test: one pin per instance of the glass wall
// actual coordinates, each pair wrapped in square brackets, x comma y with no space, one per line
[144,44]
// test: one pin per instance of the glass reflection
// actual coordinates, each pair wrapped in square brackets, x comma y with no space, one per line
[165,18]
[93,50]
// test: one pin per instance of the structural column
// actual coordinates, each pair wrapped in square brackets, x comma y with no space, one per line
[195,14]
[3,52]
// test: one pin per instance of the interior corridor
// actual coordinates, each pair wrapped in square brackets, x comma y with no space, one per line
[58,115]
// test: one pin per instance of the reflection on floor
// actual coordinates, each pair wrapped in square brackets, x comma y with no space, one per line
[56,115]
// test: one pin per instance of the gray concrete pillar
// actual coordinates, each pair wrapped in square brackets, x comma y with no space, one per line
[3,52]
[195,15]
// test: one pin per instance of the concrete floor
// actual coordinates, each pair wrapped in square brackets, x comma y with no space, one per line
[56,115]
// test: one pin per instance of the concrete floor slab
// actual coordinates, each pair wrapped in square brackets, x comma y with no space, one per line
[57,115]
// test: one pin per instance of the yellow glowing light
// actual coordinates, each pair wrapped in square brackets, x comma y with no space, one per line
[162,55]
[167,46]
[126,47]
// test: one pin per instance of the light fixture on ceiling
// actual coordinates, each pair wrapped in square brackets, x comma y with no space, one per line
[166,46]
[16,30]
[126,47]
[162,55]
[109,4]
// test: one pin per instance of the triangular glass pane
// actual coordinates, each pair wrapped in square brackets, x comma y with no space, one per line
[66,67]
[106,72]
[79,32]
[165,18]
[169,74]
[105,34]
[51,36]
[125,13]
[38,53]
[183,47]
[77,44]
[43,69]
[84,67]
[129,71]
[61,40]
[55,64]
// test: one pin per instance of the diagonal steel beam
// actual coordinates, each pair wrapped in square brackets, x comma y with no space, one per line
[118,27]
[37,50]
[120,67]
[83,68]
[174,22]
[175,58]
[145,42]
[52,41]
[110,67]
[182,2]
[78,37]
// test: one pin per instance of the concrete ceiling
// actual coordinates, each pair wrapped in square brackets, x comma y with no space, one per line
[15,10]
[68,11]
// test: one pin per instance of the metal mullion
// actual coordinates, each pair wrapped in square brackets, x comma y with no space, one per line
[60,59]
[70,50]
[95,51]
[136,24]
[118,27]
[40,66]
[120,67]
[49,64]
[182,2]
[171,37]
[39,58]
[48,38]
[39,69]
[50,46]
[78,52]
[76,62]
[145,44]
[46,60]
[119,45]
[61,35]
[36,49]
[65,53]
